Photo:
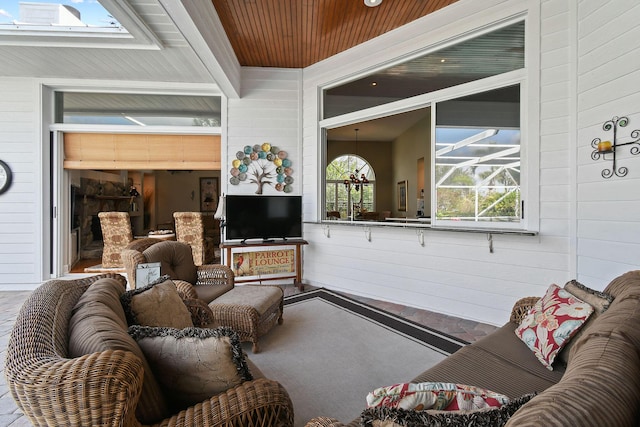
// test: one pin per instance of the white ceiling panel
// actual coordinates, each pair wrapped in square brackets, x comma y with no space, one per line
[174,61]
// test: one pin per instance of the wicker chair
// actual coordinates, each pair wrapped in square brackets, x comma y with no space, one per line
[190,229]
[209,281]
[104,388]
[116,235]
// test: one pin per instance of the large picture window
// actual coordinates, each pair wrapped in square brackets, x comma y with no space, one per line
[455,139]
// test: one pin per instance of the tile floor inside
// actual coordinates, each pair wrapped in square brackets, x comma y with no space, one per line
[10,303]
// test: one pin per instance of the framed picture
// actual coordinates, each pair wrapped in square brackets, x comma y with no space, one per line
[402,195]
[146,273]
[208,194]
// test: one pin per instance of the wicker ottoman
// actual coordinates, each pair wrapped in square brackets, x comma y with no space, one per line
[251,310]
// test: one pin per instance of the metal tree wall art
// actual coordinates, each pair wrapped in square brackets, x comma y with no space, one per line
[262,165]
[605,147]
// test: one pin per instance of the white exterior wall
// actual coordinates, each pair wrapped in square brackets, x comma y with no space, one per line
[588,226]
[267,111]
[21,235]
[608,72]
[454,272]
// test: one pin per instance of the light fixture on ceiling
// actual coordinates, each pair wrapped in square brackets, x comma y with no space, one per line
[355,180]
[372,3]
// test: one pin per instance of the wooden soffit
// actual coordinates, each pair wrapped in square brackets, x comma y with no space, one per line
[135,151]
[299,33]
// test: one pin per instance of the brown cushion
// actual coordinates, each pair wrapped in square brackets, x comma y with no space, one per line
[175,259]
[260,297]
[98,324]
[600,301]
[156,305]
[193,364]
[208,293]
[500,362]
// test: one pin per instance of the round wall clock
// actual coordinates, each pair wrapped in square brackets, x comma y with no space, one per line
[5,177]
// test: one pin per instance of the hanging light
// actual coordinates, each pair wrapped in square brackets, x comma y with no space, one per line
[356,179]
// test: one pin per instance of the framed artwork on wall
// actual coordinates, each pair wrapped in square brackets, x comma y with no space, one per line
[402,195]
[208,194]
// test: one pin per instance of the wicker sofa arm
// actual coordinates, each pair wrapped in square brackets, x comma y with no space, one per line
[215,274]
[521,308]
[201,314]
[261,402]
[53,392]
[324,422]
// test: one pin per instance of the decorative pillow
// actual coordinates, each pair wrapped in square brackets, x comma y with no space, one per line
[600,302]
[157,304]
[97,324]
[193,364]
[494,417]
[433,395]
[551,323]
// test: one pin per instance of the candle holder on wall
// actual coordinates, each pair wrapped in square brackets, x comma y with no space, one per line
[609,147]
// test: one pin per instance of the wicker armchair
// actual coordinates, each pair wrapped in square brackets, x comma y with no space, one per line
[103,388]
[116,235]
[209,281]
[190,229]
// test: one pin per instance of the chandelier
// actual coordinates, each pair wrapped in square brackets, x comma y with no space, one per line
[356,179]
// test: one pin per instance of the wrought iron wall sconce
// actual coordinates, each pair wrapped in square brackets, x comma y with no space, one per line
[609,147]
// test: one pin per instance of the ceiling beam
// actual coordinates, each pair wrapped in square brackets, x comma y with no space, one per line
[201,27]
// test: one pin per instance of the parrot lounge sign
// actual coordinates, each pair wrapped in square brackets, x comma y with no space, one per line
[261,263]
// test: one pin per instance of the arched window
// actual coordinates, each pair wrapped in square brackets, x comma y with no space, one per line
[345,196]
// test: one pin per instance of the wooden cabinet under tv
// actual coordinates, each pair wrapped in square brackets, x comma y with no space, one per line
[246,247]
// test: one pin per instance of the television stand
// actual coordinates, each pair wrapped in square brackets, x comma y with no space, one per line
[296,275]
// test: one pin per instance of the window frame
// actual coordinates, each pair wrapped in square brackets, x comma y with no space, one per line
[478,224]
[529,114]
[137,34]
[338,182]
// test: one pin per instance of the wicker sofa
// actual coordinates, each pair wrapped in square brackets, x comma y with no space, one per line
[106,387]
[598,386]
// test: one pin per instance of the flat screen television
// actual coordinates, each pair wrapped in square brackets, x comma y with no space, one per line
[263,217]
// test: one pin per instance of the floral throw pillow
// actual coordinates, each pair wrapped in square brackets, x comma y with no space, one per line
[434,395]
[551,323]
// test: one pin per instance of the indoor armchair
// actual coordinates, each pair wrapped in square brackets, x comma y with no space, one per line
[190,229]
[210,280]
[116,235]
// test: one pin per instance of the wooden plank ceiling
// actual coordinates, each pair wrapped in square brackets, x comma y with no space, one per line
[299,33]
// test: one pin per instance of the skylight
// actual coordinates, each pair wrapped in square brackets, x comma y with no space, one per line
[56,16]
[113,24]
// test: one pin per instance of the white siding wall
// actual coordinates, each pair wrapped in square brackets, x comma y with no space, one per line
[608,68]
[267,111]
[454,272]
[589,226]
[20,207]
